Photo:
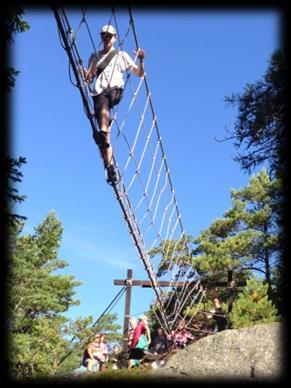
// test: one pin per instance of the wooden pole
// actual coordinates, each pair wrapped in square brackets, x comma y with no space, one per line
[129,283]
[127,309]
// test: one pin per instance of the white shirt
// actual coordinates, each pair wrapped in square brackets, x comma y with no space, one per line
[112,75]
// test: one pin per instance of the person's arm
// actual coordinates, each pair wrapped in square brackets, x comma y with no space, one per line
[89,351]
[105,349]
[148,334]
[90,73]
[139,70]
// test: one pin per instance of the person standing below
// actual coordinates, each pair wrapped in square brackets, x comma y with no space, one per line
[132,325]
[140,341]
[219,316]
[108,66]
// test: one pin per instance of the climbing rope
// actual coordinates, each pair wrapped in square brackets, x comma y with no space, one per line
[144,191]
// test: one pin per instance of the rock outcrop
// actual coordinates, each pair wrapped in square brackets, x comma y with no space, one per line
[253,353]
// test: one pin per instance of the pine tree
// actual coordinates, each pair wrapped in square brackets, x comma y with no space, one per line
[253,306]
[40,336]
[247,237]
[260,128]
[38,295]
[82,332]
[12,19]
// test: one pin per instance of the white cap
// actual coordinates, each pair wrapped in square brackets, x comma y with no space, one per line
[108,28]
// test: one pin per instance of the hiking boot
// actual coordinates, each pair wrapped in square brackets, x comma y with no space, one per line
[100,139]
[112,177]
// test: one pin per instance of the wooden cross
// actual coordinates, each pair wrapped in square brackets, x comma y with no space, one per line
[129,283]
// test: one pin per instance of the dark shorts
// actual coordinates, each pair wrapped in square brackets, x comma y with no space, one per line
[86,360]
[108,98]
[136,354]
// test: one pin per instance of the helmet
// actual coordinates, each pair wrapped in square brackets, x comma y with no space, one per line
[108,28]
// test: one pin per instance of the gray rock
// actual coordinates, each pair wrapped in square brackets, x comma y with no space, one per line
[253,353]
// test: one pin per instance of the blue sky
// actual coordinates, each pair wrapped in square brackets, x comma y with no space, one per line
[194,59]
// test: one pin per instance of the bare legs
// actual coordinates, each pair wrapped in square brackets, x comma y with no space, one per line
[102,137]
[90,364]
[103,122]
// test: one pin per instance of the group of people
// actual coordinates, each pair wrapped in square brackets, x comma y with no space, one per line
[95,354]
[142,342]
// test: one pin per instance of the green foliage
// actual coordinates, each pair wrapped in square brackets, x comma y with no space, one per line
[37,296]
[260,129]
[42,342]
[173,252]
[246,238]
[253,306]
[82,330]
[13,22]
[13,175]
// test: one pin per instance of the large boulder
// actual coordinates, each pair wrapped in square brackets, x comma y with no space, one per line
[249,353]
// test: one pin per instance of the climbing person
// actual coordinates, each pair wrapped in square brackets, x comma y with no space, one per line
[140,341]
[108,66]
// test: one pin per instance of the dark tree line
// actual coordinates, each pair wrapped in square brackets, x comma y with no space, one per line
[260,129]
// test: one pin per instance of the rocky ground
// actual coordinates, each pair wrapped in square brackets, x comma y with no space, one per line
[254,353]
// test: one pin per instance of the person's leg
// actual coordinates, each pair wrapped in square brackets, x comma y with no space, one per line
[102,111]
[90,364]
[132,363]
[131,360]
[101,366]
[103,103]
[113,97]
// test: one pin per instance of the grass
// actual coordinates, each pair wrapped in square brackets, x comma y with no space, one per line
[134,374]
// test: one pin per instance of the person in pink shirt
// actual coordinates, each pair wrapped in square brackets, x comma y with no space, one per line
[140,341]
[181,336]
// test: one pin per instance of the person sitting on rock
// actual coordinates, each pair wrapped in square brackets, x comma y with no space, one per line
[181,336]
[159,344]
